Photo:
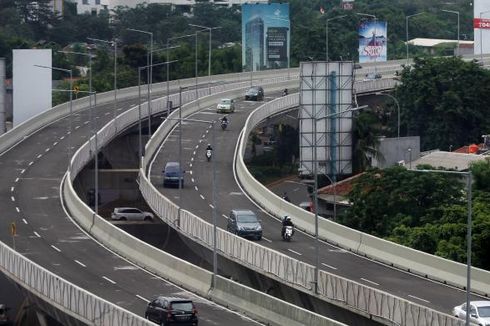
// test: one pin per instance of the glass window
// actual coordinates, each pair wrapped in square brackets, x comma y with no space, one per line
[85,2]
[484,312]
[184,306]
[97,2]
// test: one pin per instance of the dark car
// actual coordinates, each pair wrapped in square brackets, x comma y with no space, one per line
[172,311]
[173,174]
[4,318]
[244,222]
[254,93]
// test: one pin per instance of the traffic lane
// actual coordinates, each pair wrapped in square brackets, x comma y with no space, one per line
[333,259]
[296,190]
[50,239]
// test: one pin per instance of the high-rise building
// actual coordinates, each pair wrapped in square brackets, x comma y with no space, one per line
[254,44]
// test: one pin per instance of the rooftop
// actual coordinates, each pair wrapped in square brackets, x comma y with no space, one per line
[449,160]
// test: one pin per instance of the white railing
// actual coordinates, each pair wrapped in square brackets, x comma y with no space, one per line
[70,298]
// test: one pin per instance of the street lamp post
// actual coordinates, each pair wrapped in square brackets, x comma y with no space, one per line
[398,111]
[406,30]
[149,73]
[456,13]
[326,34]
[114,44]
[315,175]
[469,222]
[140,69]
[210,29]
[168,58]
[481,39]
[69,71]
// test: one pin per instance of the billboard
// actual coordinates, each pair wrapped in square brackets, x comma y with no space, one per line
[32,85]
[265,36]
[325,118]
[373,41]
[481,26]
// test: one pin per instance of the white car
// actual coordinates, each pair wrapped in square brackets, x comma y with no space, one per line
[479,312]
[226,105]
[130,214]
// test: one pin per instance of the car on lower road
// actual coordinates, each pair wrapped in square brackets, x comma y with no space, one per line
[4,317]
[244,223]
[479,312]
[254,93]
[172,311]
[173,175]
[131,214]
[225,105]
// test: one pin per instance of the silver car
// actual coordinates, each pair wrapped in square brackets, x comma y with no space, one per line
[130,214]
[479,312]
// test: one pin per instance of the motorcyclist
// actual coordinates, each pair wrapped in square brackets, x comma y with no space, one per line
[209,147]
[224,119]
[285,92]
[286,197]
[286,221]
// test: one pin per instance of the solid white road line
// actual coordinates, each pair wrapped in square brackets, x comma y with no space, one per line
[25,221]
[58,250]
[270,241]
[202,197]
[331,267]
[368,281]
[80,263]
[108,279]
[295,252]
[37,235]
[17,209]
[414,297]
[142,298]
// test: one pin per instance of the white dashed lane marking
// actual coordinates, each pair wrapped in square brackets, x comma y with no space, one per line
[40,155]
[55,143]
[37,235]
[17,209]
[142,298]
[25,221]
[192,179]
[417,298]
[329,266]
[22,171]
[225,216]
[295,252]
[202,197]
[17,180]
[31,163]
[267,239]
[195,187]
[13,198]
[47,149]
[108,279]
[12,189]
[57,249]
[80,263]
[211,205]
[370,282]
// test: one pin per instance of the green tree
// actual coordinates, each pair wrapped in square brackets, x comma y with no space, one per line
[366,134]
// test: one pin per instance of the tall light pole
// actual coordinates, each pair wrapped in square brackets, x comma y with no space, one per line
[481,39]
[398,111]
[140,69]
[469,222]
[326,34]
[168,58]
[69,71]
[114,44]
[315,175]
[456,13]
[210,29]
[406,30]
[375,34]
[149,74]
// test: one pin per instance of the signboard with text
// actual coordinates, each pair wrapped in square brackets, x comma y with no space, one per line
[372,41]
[265,36]
[481,26]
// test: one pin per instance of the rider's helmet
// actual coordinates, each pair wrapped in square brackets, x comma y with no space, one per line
[287,218]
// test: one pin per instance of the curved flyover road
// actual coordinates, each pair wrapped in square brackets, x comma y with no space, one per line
[31,174]
[197,198]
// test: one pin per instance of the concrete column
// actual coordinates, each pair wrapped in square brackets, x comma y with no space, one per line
[2,96]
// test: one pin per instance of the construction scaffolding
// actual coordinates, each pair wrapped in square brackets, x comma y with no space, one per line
[325,119]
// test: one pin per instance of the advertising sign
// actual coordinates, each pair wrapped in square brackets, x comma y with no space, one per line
[481,25]
[265,36]
[373,41]
[347,4]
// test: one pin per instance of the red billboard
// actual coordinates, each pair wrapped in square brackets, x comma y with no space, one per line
[481,23]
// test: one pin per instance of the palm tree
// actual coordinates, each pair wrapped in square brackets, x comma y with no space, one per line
[365,134]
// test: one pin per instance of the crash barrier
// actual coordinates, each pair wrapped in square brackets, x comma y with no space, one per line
[402,257]
[69,298]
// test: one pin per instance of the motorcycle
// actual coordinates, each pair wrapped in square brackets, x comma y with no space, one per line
[208,154]
[288,233]
[224,124]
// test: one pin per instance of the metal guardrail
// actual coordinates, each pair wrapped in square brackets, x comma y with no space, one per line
[72,299]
